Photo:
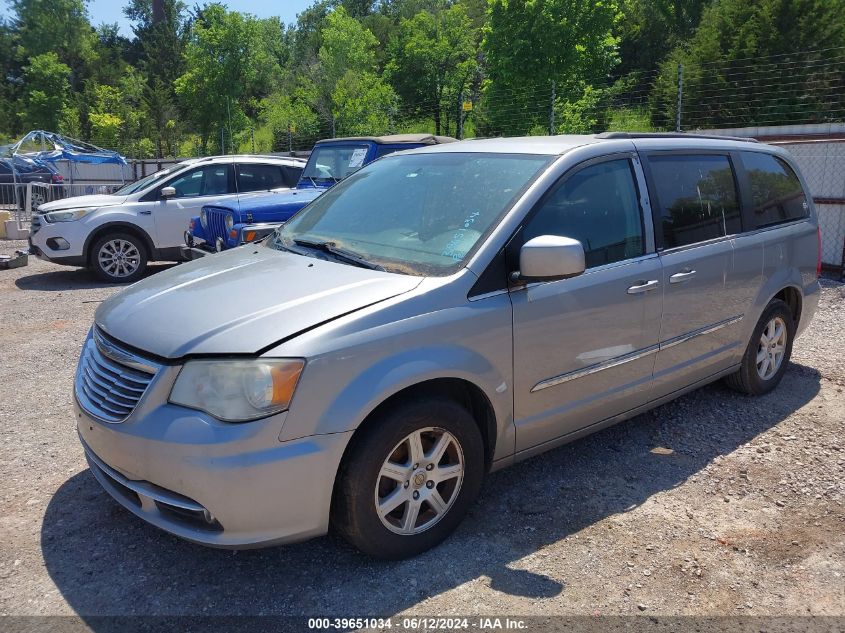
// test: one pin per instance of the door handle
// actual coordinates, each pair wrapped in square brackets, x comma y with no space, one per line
[643,286]
[145,212]
[684,275]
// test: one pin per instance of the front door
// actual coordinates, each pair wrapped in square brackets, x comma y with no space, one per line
[584,347]
[195,188]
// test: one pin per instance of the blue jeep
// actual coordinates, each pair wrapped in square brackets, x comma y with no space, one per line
[223,226]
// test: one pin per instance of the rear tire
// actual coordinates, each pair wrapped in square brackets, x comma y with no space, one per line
[118,258]
[767,355]
[409,479]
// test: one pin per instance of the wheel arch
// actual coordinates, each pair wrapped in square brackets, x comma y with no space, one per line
[459,390]
[792,297]
[118,227]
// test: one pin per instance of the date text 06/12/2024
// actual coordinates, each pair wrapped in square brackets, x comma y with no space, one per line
[418,624]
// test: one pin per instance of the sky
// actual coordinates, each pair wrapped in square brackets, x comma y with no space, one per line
[110,11]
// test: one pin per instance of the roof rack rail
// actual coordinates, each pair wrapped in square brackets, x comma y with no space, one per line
[717,137]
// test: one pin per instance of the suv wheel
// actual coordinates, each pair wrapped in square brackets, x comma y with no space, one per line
[767,355]
[409,479]
[119,258]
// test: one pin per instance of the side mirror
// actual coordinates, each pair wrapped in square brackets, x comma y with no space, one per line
[549,257]
[167,192]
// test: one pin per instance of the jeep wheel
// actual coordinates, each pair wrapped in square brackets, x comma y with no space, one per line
[409,479]
[119,258]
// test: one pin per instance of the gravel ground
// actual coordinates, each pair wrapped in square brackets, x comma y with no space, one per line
[715,504]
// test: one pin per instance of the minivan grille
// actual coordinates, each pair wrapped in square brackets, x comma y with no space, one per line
[107,386]
[215,224]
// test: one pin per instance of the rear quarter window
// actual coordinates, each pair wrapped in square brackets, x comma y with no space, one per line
[776,193]
[697,197]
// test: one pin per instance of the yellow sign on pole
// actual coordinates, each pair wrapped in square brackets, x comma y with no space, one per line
[467,106]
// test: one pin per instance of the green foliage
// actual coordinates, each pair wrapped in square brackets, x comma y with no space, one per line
[222,62]
[60,27]
[349,67]
[345,87]
[720,71]
[530,43]
[433,61]
[580,115]
[46,91]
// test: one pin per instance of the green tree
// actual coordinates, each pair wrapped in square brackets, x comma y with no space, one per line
[528,44]
[222,62]
[46,91]
[56,26]
[744,66]
[10,69]
[433,62]
[158,50]
[345,78]
[650,29]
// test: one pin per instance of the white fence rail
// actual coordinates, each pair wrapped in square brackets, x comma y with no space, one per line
[23,199]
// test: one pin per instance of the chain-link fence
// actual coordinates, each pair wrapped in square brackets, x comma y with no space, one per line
[822,161]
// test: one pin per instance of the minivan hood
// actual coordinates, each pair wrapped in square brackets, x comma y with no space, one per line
[240,301]
[100,200]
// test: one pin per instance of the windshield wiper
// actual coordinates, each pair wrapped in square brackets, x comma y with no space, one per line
[339,253]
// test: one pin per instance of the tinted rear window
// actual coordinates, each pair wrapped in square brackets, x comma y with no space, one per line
[258,177]
[697,197]
[776,193]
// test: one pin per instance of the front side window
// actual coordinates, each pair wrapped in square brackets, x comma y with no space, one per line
[598,206]
[776,193]
[334,163]
[209,180]
[418,214]
[697,198]
[257,177]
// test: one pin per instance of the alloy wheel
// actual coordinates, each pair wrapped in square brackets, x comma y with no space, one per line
[772,348]
[119,258]
[419,481]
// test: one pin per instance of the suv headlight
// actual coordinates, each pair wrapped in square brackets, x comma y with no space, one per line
[204,218]
[237,390]
[230,222]
[67,215]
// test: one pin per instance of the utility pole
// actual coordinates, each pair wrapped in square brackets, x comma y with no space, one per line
[252,129]
[459,127]
[680,97]
[158,11]
[552,111]
[290,139]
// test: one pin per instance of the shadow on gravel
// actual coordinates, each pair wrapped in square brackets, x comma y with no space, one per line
[73,279]
[105,561]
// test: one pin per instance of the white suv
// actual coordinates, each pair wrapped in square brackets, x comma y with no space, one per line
[116,235]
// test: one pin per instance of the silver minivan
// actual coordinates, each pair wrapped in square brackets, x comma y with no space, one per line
[442,313]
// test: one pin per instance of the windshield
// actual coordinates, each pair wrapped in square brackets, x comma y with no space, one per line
[138,185]
[418,214]
[334,162]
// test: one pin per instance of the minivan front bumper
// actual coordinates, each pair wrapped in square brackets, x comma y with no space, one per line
[222,485]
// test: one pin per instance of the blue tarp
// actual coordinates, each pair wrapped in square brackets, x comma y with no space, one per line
[58,147]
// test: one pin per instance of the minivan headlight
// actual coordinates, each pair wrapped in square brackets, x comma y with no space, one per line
[237,390]
[66,215]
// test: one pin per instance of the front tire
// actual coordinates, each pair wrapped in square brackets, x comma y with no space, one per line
[119,258]
[767,355]
[409,478]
